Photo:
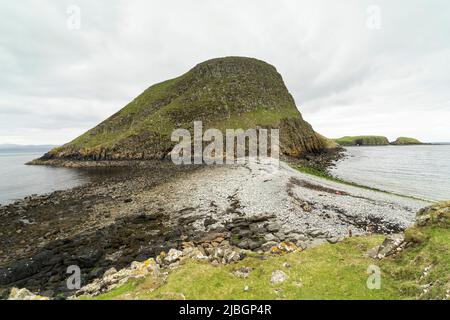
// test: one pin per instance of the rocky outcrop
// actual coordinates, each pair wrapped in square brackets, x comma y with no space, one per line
[437,214]
[392,245]
[216,251]
[225,93]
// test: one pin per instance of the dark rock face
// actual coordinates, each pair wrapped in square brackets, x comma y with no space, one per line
[224,93]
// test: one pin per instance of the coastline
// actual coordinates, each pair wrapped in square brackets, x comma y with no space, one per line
[154,208]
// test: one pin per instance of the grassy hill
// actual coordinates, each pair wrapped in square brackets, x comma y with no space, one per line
[224,93]
[406,141]
[362,141]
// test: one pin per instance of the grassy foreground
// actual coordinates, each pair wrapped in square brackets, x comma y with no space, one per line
[329,271]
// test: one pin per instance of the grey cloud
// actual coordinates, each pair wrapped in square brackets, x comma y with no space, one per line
[346,79]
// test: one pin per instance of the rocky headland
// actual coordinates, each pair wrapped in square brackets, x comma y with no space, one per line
[151,214]
[224,93]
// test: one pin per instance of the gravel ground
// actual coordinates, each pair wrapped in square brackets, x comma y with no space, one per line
[135,214]
[300,202]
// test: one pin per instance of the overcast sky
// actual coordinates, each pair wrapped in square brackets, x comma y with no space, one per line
[353,67]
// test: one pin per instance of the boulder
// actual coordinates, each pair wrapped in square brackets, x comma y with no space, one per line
[278,277]
[391,245]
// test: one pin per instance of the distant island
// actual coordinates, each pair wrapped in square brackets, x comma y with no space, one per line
[405,141]
[363,141]
[375,141]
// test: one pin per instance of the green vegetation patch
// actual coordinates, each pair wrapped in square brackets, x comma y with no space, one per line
[362,141]
[325,272]
[406,141]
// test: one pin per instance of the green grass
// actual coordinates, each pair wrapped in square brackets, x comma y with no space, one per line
[408,269]
[338,271]
[325,272]
[362,140]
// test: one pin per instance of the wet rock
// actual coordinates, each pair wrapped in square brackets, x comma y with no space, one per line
[273,227]
[287,247]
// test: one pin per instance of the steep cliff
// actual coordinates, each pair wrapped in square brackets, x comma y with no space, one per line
[223,93]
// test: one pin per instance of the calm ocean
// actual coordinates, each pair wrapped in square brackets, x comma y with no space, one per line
[18,180]
[421,171]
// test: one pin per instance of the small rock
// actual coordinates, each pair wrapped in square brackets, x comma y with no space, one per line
[173,255]
[110,272]
[306,207]
[24,294]
[278,277]
[242,272]
[333,240]
[287,247]
[270,237]
[268,245]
